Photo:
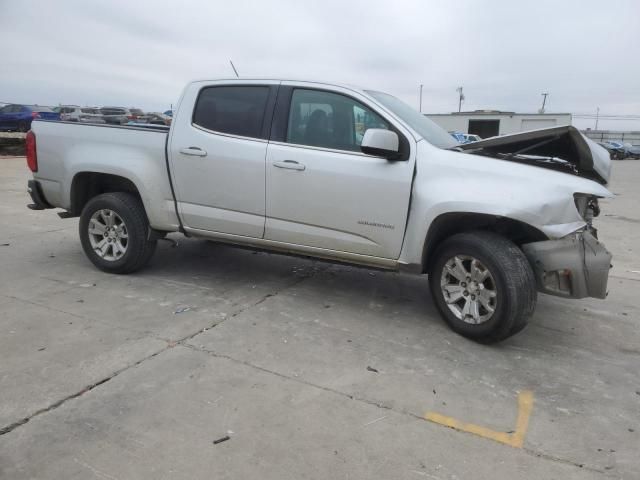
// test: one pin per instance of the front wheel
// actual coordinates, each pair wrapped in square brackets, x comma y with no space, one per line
[483,286]
[114,230]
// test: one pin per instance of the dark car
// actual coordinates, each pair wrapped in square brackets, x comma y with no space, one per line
[14,117]
[155,118]
[116,115]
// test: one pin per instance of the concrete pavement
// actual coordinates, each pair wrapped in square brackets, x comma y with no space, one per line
[313,370]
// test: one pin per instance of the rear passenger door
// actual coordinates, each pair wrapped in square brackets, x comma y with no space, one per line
[217,149]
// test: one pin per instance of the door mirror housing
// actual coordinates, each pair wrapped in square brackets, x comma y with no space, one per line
[381,143]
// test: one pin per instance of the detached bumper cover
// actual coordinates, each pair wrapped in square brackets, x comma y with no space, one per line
[39,202]
[576,266]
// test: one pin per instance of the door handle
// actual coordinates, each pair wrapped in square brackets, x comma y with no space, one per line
[289,164]
[193,151]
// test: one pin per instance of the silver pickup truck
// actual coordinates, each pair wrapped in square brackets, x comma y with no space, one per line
[344,174]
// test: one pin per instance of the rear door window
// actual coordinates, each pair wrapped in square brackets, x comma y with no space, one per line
[236,110]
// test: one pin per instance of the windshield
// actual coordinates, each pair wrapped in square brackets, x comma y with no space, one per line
[425,127]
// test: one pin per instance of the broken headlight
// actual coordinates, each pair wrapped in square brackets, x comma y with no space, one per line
[587,206]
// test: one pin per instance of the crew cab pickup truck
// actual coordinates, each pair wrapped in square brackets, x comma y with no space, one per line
[343,174]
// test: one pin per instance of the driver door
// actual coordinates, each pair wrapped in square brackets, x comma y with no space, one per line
[322,191]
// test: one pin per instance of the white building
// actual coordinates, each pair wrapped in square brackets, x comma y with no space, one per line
[489,123]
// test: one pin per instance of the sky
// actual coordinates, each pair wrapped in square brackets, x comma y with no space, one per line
[504,53]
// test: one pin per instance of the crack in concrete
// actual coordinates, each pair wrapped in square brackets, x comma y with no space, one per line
[383,406]
[181,342]
[170,344]
[141,333]
[9,428]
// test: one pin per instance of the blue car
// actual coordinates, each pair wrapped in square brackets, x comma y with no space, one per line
[19,117]
[458,136]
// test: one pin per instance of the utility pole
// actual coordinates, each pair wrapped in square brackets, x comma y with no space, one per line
[544,101]
[597,115]
[460,98]
[234,69]
[420,106]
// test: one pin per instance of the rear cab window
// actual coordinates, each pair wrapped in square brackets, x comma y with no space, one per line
[234,110]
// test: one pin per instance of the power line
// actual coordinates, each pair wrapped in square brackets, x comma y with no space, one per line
[604,117]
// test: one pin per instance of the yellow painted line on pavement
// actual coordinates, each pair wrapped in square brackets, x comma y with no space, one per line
[515,439]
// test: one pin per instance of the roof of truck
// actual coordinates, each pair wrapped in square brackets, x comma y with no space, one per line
[297,80]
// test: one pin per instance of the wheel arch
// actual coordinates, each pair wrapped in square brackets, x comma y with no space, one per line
[87,185]
[448,224]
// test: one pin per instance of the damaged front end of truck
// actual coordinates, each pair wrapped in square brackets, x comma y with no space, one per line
[575,265]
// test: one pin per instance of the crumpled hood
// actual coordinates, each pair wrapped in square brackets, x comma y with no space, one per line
[582,155]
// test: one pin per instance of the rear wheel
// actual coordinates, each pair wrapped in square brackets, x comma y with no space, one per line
[114,230]
[23,127]
[483,286]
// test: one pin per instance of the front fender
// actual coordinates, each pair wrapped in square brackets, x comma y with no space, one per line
[455,182]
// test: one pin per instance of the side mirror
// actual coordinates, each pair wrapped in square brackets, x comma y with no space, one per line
[380,142]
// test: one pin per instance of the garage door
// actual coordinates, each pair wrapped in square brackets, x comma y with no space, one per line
[536,123]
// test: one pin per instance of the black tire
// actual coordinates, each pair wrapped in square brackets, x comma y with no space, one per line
[514,283]
[23,127]
[139,249]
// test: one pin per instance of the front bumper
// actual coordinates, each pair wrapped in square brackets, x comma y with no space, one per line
[576,266]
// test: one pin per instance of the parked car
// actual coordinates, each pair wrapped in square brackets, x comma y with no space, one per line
[458,136]
[135,113]
[116,115]
[155,118]
[614,153]
[632,151]
[470,137]
[278,165]
[14,117]
[620,149]
[74,113]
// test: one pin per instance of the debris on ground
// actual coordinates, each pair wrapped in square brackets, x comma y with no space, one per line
[371,369]
[374,421]
[223,439]
[182,309]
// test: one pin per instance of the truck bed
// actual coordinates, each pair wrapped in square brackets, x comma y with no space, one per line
[134,152]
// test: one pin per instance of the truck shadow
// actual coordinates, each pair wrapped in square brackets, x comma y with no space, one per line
[327,284]
[383,297]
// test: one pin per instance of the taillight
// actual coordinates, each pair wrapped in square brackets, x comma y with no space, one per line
[32,157]
[35,115]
